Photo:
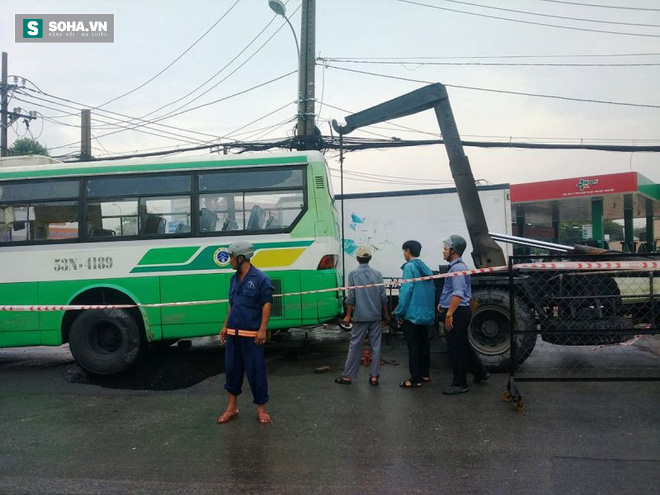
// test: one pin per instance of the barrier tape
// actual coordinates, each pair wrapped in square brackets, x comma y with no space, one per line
[613,265]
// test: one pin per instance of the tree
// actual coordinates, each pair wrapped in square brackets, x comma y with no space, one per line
[27,146]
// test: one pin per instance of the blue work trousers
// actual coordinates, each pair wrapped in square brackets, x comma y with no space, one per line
[360,330]
[244,357]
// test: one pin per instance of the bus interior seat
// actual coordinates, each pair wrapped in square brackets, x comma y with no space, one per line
[95,231]
[230,224]
[154,224]
[182,228]
[207,220]
[272,223]
[257,218]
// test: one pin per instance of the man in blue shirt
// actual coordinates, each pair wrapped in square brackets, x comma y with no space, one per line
[455,303]
[416,312]
[244,331]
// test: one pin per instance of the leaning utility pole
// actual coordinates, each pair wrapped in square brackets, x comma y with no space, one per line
[306,93]
[4,90]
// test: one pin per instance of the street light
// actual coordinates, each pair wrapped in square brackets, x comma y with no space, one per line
[279,8]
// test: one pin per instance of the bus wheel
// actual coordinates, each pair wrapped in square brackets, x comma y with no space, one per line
[105,341]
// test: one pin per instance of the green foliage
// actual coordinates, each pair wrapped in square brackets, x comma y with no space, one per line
[27,146]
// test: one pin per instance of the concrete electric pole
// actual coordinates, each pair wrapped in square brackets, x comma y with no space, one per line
[4,91]
[85,135]
[306,80]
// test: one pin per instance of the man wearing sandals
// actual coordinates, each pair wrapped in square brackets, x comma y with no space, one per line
[416,311]
[244,331]
[367,307]
[455,303]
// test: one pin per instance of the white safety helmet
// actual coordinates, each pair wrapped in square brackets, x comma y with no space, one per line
[241,248]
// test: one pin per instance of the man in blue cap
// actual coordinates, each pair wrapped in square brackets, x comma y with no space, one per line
[244,331]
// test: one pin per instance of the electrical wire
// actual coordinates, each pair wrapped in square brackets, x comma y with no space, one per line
[259,119]
[174,113]
[175,60]
[157,133]
[223,68]
[500,91]
[403,63]
[110,113]
[528,22]
[526,12]
[252,88]
[583,55]
[600,6]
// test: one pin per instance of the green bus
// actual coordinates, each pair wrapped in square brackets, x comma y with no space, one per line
[152,233]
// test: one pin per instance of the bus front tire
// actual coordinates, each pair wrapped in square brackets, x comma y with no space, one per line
[105,341]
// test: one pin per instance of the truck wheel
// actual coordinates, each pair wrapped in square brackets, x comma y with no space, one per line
[489,330]
[105,341]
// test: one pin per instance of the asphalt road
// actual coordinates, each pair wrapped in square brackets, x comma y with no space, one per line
[153,430]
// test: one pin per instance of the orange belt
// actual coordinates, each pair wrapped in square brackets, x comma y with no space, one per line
[242,333]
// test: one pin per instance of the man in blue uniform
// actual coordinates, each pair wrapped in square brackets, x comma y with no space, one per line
[244,331]
[455,303]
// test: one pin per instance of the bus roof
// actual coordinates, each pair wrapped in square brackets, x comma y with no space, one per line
[33,167]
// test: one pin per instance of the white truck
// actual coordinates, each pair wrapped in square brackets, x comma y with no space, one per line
[385,220]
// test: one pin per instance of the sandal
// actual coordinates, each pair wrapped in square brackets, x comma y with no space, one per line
[343,381]
[373,381]
[409,384]
[426,379]
[227,416]
[263,417]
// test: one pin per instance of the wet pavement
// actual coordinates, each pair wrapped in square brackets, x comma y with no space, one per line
[152,430]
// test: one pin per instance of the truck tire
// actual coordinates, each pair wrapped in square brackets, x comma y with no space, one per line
[105,341]
[489,331]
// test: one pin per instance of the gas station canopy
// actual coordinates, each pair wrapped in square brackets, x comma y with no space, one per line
[589,199]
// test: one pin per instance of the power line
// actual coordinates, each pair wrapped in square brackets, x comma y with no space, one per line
[165,134]
[491,64]
[175,60]
[526,12]
[252,88]
[600,6]
[583,55]
[172,113]
[110,113]
[161,135]
[489,90]
[528,22]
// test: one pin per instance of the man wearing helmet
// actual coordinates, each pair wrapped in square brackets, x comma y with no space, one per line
[244,331]
[455,303]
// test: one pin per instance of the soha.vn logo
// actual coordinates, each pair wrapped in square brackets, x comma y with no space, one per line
[33,28]
[586,183]
[221,257]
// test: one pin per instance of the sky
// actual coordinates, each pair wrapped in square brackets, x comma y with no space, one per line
[452,42]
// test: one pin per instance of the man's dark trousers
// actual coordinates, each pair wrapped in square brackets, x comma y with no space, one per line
[419,350]
[462,356]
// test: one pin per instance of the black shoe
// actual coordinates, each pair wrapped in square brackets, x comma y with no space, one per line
[454,390]
[482,378]
[343,381]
